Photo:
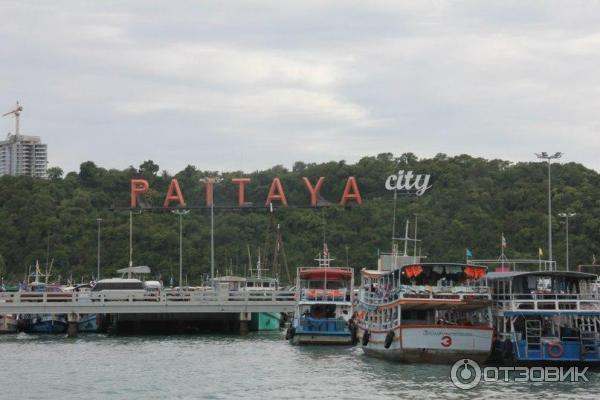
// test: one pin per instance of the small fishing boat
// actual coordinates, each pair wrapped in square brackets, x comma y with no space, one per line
[44,323]
[324,308]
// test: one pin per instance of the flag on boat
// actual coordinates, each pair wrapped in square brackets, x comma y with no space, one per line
[469,253]
[503,241]
[325,250]
[540,252]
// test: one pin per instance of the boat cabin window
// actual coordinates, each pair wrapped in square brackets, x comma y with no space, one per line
[330,284]
[442,275]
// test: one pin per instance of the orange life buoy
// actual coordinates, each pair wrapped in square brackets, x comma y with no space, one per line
[555,350]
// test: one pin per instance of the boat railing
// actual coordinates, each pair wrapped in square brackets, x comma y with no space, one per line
[460,293]
[547,301]
[331,295]
[311,324]
[164,296]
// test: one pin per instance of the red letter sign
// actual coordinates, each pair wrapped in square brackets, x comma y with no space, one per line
[314,192]
[177,195]
[241,194]
[209,192]
[351,192]
[276,193]
[138,186]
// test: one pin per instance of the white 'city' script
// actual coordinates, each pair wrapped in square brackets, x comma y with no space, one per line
[404,181]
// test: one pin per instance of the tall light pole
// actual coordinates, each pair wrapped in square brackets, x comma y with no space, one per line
[181,213]
[99,221]
[209,181]
[130,244]
[566,216]
[549,158]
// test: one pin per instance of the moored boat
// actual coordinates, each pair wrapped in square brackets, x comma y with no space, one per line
[546,317]
[424,312]
[324,310]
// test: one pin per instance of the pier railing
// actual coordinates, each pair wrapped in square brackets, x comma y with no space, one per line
[137,301]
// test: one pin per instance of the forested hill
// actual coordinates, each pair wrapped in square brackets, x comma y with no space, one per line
[471,202]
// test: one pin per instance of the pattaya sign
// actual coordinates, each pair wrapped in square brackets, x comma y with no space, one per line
[276,192]
[405,182]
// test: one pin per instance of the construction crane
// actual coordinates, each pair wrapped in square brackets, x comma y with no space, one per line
[17,112]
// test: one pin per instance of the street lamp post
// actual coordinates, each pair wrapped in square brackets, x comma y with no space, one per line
[99,220]
[181,213]
[549,158]
[566,216]
[209,181]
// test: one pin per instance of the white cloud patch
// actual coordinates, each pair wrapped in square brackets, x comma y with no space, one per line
[231,85]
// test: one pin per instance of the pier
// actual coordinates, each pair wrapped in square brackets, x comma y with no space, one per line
[167,302]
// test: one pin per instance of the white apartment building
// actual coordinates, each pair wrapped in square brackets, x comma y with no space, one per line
[23,155]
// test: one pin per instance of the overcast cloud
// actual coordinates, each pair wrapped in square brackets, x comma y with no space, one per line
[247,85]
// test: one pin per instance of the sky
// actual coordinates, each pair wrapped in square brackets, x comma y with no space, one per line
[245,85]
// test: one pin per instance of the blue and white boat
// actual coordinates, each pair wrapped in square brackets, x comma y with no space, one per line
[324,304]
[546,317]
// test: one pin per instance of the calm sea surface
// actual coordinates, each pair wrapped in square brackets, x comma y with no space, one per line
[258,366]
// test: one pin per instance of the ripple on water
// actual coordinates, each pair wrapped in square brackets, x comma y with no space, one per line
[258,366]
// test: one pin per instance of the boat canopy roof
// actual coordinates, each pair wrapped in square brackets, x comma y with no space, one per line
[330,274]
[515,274]
[142,269]
[230,278]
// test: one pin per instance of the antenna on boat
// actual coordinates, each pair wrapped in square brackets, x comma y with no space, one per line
[394,219]
[249,266]
[415,248]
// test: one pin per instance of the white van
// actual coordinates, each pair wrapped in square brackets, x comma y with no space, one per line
[153,289]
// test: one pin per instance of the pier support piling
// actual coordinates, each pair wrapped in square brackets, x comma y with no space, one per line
[244,323]
[73,325]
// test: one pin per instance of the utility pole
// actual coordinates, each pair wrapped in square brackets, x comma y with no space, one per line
[99,220]
[209,181]
[544,156]
[566,216]
[181,213]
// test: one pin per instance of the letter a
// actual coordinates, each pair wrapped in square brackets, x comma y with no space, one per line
[174,194]
[276,193]
[314,192]
[138,186]
[351,192]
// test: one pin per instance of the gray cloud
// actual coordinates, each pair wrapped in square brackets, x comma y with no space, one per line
[228,85]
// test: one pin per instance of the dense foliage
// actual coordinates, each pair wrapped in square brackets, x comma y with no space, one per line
[471,203]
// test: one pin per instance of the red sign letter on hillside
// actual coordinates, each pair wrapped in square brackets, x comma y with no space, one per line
[177,195]
[351,185]
[276,193]
[138,186]
[314,192]
[241,194]
[209,192]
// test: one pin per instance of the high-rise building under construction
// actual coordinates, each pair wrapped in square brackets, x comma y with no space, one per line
[23,154]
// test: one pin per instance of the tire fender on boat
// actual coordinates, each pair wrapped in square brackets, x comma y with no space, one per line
[365,338]
[389,338]
[290,333]
[555,350]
